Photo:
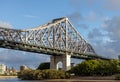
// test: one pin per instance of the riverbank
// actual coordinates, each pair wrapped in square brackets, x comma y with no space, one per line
[8,77]
[94,77]
[79,77]
[77,80]
[86,79]
[72,79]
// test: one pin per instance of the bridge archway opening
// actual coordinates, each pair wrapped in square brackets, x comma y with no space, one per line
[65,59]
[60,65]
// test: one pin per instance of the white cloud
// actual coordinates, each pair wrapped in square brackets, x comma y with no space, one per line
[75,17]
[112,4]
[94,16]
[17,58]
[5,24]
[91,16]
[107,46]
[82,3]
[95,32]
[105,39]
[30,16]
[105,20]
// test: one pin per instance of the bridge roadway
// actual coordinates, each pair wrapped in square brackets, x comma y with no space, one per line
[46,50]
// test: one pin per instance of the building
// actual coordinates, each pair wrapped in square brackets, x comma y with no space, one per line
[11,71]
[119,57]
[3,68]
[23,68]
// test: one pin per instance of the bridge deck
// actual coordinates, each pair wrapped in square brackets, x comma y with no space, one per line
[46,50]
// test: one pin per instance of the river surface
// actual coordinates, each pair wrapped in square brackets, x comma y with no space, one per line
[18,80]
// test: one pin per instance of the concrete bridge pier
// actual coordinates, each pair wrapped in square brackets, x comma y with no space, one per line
[65,59]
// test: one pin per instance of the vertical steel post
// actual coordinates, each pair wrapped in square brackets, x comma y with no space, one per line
[66,35]
[54,36]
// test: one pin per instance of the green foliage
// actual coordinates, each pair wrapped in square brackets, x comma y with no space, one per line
[117,77]
[97,67]
[42,74]
[54,74]
[44,66]
[26,74]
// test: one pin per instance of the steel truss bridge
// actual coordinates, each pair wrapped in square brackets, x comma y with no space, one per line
[57,37]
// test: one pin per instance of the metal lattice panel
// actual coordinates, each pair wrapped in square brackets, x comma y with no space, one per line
[58,34]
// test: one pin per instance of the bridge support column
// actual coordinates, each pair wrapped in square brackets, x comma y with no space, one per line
[66,62]
[65,59]
[53,62]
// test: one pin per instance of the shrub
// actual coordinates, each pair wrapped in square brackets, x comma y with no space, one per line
[53,74]
[117,77]
[37,75]
[26,74]
[97,67]
[42,74]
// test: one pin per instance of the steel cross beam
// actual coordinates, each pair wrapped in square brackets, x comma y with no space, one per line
[59,36]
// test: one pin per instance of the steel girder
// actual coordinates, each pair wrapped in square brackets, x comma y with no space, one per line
[57,34]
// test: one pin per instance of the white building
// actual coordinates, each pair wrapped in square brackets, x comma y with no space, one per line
[3,68]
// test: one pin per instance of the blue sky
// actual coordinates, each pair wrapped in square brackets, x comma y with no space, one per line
[30,13]
[97,20]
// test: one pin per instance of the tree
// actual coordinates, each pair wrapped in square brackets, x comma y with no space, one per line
[45,65]
[97,67]
[85,68]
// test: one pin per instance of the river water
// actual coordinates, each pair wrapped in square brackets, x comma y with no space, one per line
[18,80]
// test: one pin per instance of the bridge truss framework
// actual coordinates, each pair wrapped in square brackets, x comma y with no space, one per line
[58,38]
